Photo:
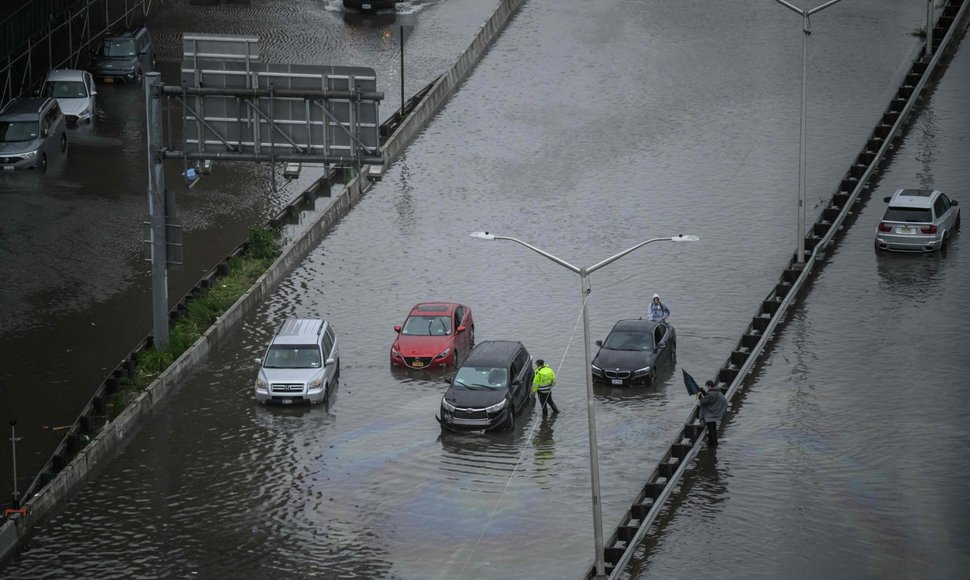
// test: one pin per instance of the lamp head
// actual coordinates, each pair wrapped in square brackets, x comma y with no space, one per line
[684,238]
[482,235]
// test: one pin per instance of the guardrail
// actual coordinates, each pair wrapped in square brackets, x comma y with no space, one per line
[636,522]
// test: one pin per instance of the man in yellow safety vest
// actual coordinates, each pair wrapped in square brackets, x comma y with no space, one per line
[542,384]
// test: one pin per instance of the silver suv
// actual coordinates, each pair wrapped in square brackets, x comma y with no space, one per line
[918,220]
[301,364]
[31,129]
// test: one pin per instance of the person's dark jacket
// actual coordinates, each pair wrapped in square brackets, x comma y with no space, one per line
[713,405]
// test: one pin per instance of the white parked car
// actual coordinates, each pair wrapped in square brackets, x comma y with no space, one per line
[918,220]
[74,91]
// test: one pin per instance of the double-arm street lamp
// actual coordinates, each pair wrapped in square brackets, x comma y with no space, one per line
[584,291]
[806,31]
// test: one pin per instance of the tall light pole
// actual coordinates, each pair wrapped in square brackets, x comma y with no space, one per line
[584,287]
[806,31]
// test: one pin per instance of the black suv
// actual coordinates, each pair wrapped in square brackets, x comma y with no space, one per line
[126,56]
[491,387]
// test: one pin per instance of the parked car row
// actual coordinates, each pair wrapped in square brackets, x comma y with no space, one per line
[32,129]
[492,383]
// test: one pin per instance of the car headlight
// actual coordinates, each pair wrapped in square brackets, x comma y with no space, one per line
[496,407]
[85,113]
[395,352]
[260,384]
[30,154]
[447,406]
[315,383]
[443,353]
[596,369]
[642,371]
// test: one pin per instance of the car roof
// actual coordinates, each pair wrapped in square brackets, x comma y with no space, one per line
[429,308]
[919,198]
[24,108]
[126,33]
[493,353]
[299,331]
[65,74]
[635,325]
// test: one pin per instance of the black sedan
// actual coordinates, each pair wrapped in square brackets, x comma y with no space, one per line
[633,352]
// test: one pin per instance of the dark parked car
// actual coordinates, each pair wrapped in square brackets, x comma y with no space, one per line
[125,56]
[492,386]
[370,5]
[918,220]
[633,352]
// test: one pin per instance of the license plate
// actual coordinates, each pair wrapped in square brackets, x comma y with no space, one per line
[905,230]
[286,401]
[108,80]
[417,364]
[365,6]
[617,381]
[8,167]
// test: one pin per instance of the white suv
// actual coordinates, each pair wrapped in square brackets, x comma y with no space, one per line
[301,364]
[918,220]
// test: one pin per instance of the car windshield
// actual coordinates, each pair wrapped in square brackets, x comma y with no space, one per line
[626,340]
[293,356]
[118,47]
[908,214]
[13,132]
[482,377]
[427,326]
[65,90]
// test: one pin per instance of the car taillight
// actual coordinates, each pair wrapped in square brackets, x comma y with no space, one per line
[884,227]
[930,229]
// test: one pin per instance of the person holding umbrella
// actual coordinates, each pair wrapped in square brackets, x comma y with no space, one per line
[713,404]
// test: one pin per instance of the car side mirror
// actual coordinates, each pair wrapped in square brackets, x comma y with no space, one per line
[259,361]
[397,328]
[331,361]
[446,380]
[887,198]
[93,93]
[461,328]
[599,343]
[954,202]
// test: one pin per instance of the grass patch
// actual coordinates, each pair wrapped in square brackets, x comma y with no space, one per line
[200,312]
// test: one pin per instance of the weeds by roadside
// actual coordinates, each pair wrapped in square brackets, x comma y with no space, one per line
[200,312]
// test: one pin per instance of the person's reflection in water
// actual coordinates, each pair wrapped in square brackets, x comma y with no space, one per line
[544,458]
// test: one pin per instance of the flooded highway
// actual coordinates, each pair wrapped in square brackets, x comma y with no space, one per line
[76,291]
[585,132]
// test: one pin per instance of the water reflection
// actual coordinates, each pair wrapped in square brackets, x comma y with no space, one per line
[912,277]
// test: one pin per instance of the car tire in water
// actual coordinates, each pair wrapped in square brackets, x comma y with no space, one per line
[457,359]
[945,244]
[956,225]
[63,142]
[43,162]
[510,425]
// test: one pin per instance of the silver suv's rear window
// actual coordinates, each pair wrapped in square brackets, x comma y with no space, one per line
[908,214]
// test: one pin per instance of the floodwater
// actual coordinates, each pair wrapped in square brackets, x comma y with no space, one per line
[584,132]
[76,293]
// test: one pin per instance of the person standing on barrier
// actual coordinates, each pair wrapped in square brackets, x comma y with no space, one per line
[713,404]
[542,384]
[657,311]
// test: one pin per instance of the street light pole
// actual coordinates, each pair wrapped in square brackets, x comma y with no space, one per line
[13,442]
[584,287]
[806,31]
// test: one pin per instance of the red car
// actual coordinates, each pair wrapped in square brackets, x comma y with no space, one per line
[434,335]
